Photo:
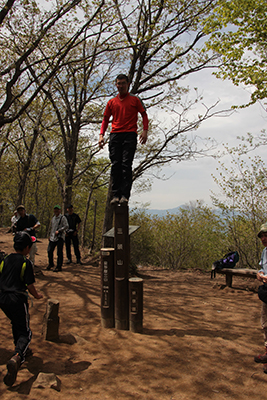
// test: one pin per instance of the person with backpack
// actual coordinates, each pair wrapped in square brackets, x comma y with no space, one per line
[16,277]
[262,292]
[59,225]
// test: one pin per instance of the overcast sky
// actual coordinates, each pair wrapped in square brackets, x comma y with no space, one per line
[192,180]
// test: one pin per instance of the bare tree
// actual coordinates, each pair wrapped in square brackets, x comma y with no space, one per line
[5,10]
[164,45]
[20,46]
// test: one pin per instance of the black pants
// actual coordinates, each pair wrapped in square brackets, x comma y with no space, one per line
[18,313]
[122,148]
[51,247]
[74,238]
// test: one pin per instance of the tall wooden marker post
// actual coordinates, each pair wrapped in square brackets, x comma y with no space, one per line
[122,260]
[107,288]
[118,275]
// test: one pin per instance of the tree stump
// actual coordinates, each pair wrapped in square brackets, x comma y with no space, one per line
[51,321]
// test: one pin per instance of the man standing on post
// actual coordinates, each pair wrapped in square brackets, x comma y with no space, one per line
[27,223]
[124,109]
[59,225]
[74,222]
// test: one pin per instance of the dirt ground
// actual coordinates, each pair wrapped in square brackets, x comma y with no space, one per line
[198,342]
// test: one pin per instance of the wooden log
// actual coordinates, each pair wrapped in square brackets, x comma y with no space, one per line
[107,288]
[230,272]
[51,321]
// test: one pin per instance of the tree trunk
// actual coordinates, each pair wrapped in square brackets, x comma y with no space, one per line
[108,220]
[26,167]
[85,216]
[93,236]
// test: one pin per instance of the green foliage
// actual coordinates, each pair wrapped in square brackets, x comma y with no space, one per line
[192,238]
[142,241]
[238,32]
[242,201]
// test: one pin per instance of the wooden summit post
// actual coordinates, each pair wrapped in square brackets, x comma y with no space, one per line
[107,288]
[136,304]
[122,259]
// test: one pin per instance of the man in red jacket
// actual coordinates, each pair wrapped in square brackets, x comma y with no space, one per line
[124,109]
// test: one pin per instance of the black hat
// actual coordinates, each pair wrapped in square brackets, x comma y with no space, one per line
[70,206]
[23,239]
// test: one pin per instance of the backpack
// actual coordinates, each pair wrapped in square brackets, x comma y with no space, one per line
[2,255]
[228,261]
[23,267]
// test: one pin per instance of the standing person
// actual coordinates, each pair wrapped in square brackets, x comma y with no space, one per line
[59,225]
[262,277]
[16,277]
[74,222]
[28,223]
[124,109]
[14,220]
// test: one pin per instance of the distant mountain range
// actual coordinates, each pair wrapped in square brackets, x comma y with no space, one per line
[162,213]
[175,210]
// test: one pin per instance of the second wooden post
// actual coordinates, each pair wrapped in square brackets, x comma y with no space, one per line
[122,258]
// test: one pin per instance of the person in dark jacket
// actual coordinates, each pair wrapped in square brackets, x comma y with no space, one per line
[74,222]
[16,278]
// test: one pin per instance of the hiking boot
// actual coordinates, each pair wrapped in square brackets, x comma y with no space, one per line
[68,262]
[49,267]
[57,269]
[79,262]
[261,358]
[114,201]
[12,369]
[124,201]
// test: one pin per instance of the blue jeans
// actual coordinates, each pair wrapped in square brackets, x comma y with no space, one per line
[122,148]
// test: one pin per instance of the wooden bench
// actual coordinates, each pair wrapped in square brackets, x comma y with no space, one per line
[229,273]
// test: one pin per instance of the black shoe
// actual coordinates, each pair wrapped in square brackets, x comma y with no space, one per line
[57,269]
[124,201]
[114,201]
[79,262]
[261,358]
[68,262]
[48,268]
[12,369]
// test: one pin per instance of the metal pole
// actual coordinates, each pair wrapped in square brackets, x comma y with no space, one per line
[136,304]
[122,257]
[107,288]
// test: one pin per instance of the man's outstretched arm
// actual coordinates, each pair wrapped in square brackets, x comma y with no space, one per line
[143,136]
